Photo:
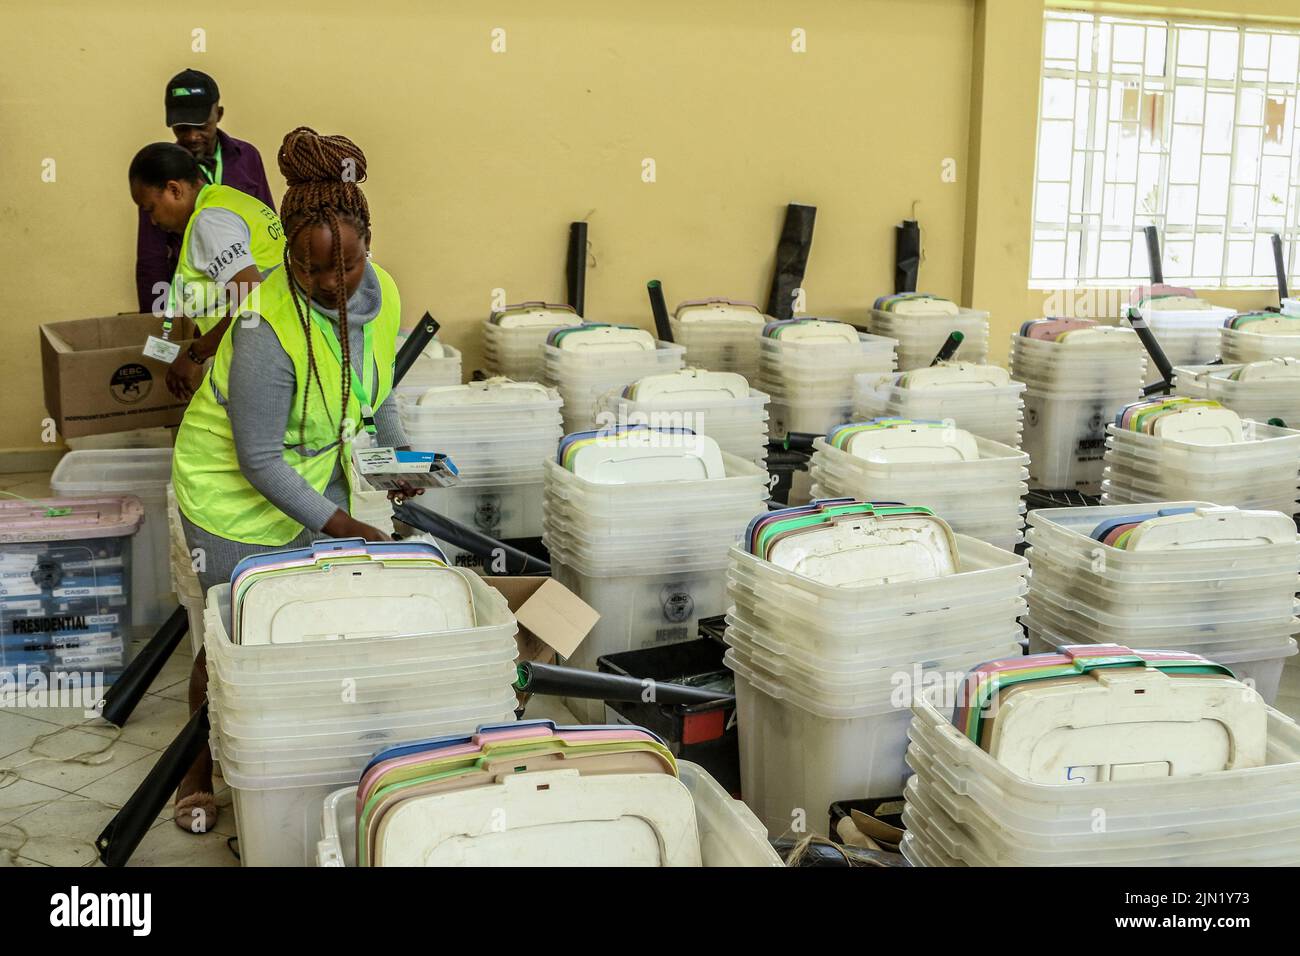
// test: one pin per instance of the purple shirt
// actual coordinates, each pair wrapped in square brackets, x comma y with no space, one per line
[157,250]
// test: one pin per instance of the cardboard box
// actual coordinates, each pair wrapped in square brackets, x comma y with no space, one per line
[98,380]
[552,619]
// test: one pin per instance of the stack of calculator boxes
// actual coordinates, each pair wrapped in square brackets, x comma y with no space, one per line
[921,324]
[65,584]
[1102,756]
[1175,448]
[807,367]
[979,398]
[638,522]
[1078,375]
[974,484]
[841,612]
[1180,575]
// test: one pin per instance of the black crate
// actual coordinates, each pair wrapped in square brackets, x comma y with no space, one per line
[701,733]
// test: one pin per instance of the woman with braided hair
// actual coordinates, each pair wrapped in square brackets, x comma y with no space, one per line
[263,455]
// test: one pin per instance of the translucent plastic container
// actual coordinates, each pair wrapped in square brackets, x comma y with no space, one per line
[810,417]
[739,426]
[840,622]
[1259,399]
[730,834]
[66,583]
[1259,666]
[1163,819]
[995,413]
[798,755]
[1236,346]
[744,480]
[921,336]
[582,377]
[438,364]
[496,626]
[144,473]
[1065,437]
[278,815]
[662,606]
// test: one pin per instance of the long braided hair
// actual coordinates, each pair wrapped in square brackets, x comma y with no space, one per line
[323,173]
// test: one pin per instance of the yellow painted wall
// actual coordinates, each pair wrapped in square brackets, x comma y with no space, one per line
[479,161]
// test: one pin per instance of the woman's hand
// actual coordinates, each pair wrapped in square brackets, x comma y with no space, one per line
[343,525]
[184,377]
[404,491]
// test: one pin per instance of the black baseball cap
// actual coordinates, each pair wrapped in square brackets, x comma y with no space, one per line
[190,97]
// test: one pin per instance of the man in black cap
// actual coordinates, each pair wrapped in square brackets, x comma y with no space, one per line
[194,109]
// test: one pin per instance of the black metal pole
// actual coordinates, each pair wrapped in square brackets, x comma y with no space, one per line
[792,251]
[575,266]
[467,539]
[556,681]
[121,699]
[1154,350]
[660,309]
[419,337]
[949,348]
[1279,262]
[907,255]
[1153,255]
[129,825]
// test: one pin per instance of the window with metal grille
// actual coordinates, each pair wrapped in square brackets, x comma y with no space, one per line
[1189,126]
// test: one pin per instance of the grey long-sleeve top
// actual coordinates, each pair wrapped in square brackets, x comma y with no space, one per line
[262,386]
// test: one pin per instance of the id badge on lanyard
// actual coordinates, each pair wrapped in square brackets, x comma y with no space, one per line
[163,349]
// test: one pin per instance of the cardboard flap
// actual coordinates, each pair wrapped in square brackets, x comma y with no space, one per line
[549,615]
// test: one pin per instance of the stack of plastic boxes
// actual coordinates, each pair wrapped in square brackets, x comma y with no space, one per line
[721,335]
[514,336]
[584,369]
[979,497]
[990,406]
[500,434]
[920,335]
[964,808]
[1231,604]
[810,378]
[438,364]
[1259,336]
[293,721]
[650,556]
[730,412]
[825,673]
[65,584]
[1259,471]
[1187,335]
[1257,390]
[1074,387]
[144,473]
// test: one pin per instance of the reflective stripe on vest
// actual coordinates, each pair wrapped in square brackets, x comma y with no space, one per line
[194,292]
[210,488]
